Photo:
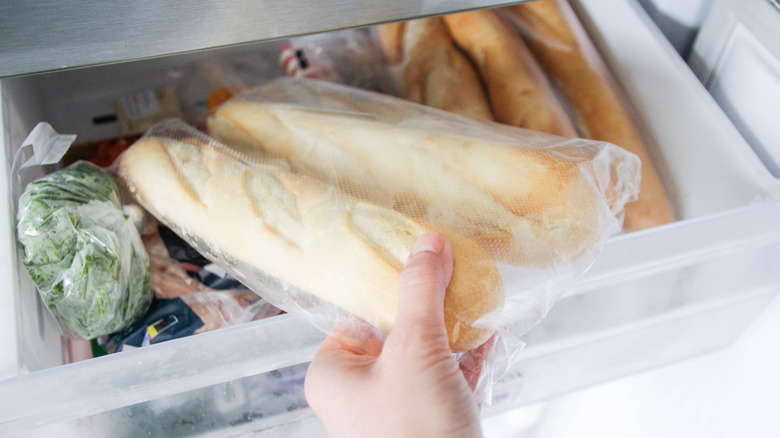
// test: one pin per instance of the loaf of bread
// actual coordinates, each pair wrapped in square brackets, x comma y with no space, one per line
[301,232]
[520,94]
[598,109]
[390,38]
[524,196]
[437,74]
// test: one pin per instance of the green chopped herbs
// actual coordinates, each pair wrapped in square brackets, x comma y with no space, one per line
[83,252]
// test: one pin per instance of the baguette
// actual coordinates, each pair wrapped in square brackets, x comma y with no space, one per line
[302,232]
[434,69]
[533,206]
[519,91]
[598,109]
[390,38]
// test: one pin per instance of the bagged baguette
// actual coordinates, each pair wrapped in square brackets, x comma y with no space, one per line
[571,61]
[520,94]
[437,74]
[529,199]
[295,239]
[390,37]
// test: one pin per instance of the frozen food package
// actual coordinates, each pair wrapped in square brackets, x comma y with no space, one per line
[79,244]
[350,56]
[101,153]
[561,45]
[316,198]
[178,269]
[227,76]
[166,319]
[280,232]
[196,312]
[529,198]
[191,295]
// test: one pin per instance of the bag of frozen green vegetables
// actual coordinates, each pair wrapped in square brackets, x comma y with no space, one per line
[83,251]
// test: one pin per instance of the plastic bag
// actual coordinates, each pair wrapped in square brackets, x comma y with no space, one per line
[179,269]
[190,314]
[71,229]
[558,40]
[79,246]
[368,160]
[351,57]
[247,216]
[192,295]
[531,199]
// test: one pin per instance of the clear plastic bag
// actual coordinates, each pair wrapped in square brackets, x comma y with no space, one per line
[81,249]
[193,313]
[357,167]
[531,199]
[214,296]
[96,272]
[351,57]
[574,65]
[282,233]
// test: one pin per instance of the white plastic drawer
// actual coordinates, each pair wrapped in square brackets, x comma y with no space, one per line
[737,57]
[652,298]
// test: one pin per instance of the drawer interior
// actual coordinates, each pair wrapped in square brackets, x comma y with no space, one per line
[708,169]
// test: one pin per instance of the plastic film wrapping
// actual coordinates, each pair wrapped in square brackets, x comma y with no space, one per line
[299,242]
[318,199]
[431,67]
[350,56]
[530,199]
[558,40]
[83,251]
[519,91]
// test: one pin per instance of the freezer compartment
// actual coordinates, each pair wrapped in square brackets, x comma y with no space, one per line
[617,322]
[739,40]
[646,291]
[620,320]
[172,374]
[624,317]
[84,103]
[265,405]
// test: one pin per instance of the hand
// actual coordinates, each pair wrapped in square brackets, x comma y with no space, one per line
[413,387]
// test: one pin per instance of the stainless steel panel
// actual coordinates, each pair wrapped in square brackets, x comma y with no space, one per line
[45,35]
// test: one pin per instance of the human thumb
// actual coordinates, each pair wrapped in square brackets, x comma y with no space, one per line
[423,286]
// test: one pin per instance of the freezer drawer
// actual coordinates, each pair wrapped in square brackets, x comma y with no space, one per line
[679,21]
[740,40]
[653,297]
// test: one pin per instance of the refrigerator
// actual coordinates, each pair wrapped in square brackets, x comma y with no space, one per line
[652,298]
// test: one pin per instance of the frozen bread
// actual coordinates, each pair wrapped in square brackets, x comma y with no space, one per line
[530,199]
[437,74]
[272,223]
[546,26]
[520,94]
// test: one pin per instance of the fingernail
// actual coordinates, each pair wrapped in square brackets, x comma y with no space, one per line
[430,242]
